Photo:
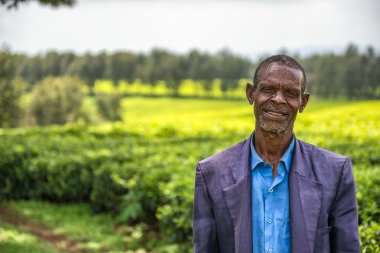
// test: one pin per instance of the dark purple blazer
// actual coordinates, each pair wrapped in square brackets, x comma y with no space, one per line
[323,209]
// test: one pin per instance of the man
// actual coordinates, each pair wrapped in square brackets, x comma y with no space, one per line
[273,192]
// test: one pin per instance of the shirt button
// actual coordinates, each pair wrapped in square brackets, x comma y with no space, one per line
[270,190]
[269,221]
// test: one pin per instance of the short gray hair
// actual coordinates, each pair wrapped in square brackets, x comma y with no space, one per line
[282,60]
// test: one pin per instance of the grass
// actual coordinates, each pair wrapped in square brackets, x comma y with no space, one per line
[94,233]
[13,240]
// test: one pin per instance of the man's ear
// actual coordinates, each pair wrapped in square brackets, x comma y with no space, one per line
[305,100]
[249,90]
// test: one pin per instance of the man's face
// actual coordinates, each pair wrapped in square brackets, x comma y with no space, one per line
[277,98]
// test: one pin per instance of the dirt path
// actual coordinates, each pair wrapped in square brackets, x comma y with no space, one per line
[59,241]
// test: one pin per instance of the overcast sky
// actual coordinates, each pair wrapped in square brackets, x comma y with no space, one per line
[247,27]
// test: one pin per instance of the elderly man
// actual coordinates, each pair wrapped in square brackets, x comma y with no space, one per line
[273,192]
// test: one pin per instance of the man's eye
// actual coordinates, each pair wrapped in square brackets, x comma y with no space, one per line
[267,90]
[291,94]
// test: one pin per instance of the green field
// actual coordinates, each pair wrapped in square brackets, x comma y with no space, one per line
[128,186]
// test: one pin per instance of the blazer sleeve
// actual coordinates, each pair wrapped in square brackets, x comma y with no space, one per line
[344,236]
[204,229]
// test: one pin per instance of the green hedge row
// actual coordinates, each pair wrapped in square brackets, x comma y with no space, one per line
[147,179]
[135,178]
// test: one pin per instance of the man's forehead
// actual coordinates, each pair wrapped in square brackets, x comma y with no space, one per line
[277,69]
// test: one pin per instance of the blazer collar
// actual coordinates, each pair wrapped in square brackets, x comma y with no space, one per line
[242,167]
[300,163]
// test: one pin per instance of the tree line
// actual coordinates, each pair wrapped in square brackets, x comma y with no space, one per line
[351,74]
[64,79]
[158,65]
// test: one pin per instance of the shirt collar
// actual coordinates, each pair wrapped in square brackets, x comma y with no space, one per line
[286,157]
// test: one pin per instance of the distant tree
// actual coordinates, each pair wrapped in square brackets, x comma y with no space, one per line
[14,4]
[352,73]
[371,74]
[57,100]
[51,64]
[201,66]
[65,60]
[121,66]
[11,89]
[232,67]
[88,67]
[162,65]
[30,68]
[329,76]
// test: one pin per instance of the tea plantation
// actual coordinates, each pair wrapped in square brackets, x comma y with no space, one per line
[141,171]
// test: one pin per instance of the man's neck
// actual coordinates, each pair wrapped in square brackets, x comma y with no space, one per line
[271,146]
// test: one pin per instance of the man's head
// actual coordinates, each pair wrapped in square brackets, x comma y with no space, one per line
[281,60]
[278,93]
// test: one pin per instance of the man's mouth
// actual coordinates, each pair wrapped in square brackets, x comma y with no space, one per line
[276,113]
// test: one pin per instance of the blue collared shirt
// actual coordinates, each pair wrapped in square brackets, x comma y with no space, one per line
[270,203]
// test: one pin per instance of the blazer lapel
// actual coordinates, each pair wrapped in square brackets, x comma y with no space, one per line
[305,203]
[238,200]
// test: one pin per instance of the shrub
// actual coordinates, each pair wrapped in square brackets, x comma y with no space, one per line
[107,99]
[57,100]
[106,194]
[109,106]
[11,89]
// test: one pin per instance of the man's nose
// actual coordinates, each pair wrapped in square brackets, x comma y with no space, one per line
[279,97]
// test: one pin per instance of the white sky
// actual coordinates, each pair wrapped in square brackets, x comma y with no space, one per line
[247,27]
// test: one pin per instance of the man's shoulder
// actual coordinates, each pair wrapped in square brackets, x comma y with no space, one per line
[314,151]
[227,156]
